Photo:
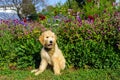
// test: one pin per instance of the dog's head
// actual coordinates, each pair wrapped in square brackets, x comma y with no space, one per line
[48,39]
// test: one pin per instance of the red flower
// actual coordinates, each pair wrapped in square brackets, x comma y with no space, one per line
[42,17]
[91,18]
[89,0]
[24,20]
[68,20]
[104,11]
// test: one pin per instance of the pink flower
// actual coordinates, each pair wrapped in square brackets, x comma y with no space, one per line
[118,28]
[114,4]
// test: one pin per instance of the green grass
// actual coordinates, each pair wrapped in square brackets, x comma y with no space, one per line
[81,74]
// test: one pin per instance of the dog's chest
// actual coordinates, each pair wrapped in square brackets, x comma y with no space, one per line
[49,54]
[49,58]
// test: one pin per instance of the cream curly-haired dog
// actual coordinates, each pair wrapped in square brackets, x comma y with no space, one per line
[50,54]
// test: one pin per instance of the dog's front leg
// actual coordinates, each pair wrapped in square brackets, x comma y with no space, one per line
[42,67]
[56,66]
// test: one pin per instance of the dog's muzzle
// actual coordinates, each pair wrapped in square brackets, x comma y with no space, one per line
[49,44]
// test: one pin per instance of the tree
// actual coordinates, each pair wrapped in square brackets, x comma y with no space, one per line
[22,6]
[80,2]
[17,4]
[69,4]
[27,8]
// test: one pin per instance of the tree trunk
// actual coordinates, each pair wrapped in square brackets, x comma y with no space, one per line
[19,15]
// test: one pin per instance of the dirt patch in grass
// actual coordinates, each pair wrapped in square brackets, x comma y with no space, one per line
[6,78]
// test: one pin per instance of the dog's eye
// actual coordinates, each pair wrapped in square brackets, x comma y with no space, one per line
[47,37]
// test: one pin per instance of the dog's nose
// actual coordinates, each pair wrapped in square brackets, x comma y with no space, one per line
[51,42]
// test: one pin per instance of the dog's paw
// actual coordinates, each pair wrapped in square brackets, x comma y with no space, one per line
[34,71]
[57,73]
[37,73]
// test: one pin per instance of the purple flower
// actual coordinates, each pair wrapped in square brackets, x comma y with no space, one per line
[78,19]
[56,17]
[118,28]
[0,22]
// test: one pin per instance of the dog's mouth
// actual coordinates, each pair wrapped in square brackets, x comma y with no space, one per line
[49,45]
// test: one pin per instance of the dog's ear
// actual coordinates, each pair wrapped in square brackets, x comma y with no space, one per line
[55,38]
[41,39]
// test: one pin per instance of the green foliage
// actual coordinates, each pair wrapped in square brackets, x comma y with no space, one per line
[33,16]
[7,46]
[28,8]
[97,8]
[118,41]
[85,43]
[88,46]
[26,50]
[19,49]
[80,2]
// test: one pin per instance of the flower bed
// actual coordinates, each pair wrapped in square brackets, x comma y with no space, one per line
[90,42]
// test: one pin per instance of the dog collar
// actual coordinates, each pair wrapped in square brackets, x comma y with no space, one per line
[50,51]
[47,49]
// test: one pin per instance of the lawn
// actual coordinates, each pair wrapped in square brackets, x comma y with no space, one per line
[69,74]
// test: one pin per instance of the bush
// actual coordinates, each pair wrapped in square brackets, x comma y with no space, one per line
[90,43]
[19,46]
[7,47]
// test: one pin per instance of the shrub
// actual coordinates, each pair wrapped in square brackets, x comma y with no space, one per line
[28,52]
[19,46]
[7,46]
[91,45]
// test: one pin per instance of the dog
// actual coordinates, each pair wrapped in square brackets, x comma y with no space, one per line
[50,54]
